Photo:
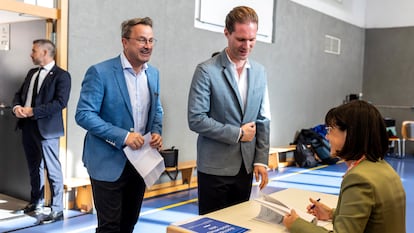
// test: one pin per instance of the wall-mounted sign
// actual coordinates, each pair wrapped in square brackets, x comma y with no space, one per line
[4,36]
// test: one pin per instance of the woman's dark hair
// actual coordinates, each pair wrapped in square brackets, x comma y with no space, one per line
[365,130]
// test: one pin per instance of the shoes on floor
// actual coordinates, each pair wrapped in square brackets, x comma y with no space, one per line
[52,217]
[330,160]
[31,207]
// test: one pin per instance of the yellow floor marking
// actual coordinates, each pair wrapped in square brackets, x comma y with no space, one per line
[256,183]
[169,206]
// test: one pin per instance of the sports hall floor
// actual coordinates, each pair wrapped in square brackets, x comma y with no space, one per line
[157,213]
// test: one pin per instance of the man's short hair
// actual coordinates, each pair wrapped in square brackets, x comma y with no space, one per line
[48,45]
[128,24]
[240,14]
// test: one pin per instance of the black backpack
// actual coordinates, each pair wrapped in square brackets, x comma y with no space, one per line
[304,156]
[320,146]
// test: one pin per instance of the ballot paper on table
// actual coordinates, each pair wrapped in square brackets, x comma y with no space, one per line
[147,161]
[273,211]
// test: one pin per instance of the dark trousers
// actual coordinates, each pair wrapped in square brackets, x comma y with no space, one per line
[43,154]
[218,192]
[118,203]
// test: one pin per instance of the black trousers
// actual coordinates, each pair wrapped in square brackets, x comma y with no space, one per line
[218,192]
[118,203]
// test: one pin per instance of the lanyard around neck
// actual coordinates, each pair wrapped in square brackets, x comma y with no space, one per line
[354,164]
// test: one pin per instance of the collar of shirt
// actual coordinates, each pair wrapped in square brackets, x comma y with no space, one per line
[246,65]
[241,80]
[49,66]
[126,65]
[43,73]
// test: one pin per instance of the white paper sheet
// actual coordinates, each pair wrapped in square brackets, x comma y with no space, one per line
[147,161]
[273,209]
[279,210]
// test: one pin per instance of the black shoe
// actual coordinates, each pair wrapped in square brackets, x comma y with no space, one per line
[330,161]
[52,217]
[29,208]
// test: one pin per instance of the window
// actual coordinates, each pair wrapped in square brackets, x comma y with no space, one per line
[211,14]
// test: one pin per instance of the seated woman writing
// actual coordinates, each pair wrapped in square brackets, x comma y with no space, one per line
[372,197]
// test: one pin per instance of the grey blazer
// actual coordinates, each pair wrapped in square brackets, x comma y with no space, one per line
[215,113]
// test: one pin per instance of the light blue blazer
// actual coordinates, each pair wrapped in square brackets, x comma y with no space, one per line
[105,111]
[215,112]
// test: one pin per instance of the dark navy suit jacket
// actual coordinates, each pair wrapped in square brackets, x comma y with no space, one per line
[52,98]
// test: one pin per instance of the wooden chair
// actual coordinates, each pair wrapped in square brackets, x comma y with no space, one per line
[407,132]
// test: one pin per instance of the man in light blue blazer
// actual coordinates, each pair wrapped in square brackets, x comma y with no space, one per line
[119,103]
[228,107]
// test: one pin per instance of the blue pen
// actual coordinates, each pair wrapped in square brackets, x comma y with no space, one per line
[313,206]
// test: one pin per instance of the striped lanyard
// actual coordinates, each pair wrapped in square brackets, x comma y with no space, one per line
[354,164]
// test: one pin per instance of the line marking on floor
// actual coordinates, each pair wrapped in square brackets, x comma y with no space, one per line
[196,199]
[293,174]
[168,207]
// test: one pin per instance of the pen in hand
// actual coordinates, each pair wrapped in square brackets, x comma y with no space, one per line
[313,206]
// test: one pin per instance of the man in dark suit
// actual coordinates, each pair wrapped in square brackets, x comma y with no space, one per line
[119,103]
[228,107]
[38,104]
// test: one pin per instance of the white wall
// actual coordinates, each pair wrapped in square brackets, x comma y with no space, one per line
[305,82]
[350,11]
[366,13]
[389,13]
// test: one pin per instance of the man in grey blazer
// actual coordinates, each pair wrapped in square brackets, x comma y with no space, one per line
[119,103]
[228,107]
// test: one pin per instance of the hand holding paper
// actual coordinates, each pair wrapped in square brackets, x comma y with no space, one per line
[277,209]
[135,140]
[147,161]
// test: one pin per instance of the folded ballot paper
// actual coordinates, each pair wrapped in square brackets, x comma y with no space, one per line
[147,161]
[273,211]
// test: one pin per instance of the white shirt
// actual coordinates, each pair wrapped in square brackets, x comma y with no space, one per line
[139,95]
[242,85]
[43,73]
[241,80]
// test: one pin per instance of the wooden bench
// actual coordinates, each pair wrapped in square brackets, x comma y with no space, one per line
[187,181]
[83,190]
[281,156]
[83,194]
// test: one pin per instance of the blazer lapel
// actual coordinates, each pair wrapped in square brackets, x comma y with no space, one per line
[152,82]
[231,81]
[251,86]
[48,78]
[120,80]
